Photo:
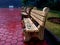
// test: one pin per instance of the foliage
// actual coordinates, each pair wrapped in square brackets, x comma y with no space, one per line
[53,27]
[53,4]
[24,2]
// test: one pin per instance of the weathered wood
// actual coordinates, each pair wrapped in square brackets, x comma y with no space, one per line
[40,18]
[30,27]
[27,10]
[40,22]
[24,13]
[23,9]
[38,12]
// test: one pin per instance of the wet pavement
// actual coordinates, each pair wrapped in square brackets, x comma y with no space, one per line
[10,27]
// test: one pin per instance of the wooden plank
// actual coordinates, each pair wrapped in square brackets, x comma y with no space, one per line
[41,13]
[27,10]
[30,27]
[41,18]
[40,22]
[24,13]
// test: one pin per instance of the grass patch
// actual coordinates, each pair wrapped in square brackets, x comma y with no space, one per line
[54,28]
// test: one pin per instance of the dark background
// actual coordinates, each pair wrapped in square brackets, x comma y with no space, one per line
[6,3]
[52,4]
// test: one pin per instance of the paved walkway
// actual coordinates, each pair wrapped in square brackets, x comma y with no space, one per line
[10,27]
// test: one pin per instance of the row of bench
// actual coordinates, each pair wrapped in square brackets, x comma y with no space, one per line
[34,23]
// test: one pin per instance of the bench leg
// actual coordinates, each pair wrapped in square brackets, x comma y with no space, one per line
[26,36]
[41,33]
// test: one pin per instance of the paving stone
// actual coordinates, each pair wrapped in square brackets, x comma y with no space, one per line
[1,34]
[3,38]
[20,36]
[14,41]
[20,39]
[20,33]
[2,42]
[10,36]
[20,43]
[7,44]
[14,37]
[13,44]
[6,33]
[10,33]
[8,40]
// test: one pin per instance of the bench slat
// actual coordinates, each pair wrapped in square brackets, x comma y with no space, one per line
[38,12]
[40,22]
[41,18]
[30,27]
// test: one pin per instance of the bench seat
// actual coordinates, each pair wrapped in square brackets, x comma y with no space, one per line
[29,25]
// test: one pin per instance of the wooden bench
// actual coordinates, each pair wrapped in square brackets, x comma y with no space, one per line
[31,30]
[26,11]
[23,10]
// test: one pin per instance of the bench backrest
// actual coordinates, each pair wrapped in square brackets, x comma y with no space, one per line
[39,16]
[26,10]
[23,9]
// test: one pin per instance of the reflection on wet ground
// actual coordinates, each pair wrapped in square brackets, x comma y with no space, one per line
[10,27]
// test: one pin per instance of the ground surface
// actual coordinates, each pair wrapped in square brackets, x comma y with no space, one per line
[11,31]
[10,27]
[53,27]
[54,20]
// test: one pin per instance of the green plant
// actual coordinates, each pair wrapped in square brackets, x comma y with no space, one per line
[24,2]
[54,28]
